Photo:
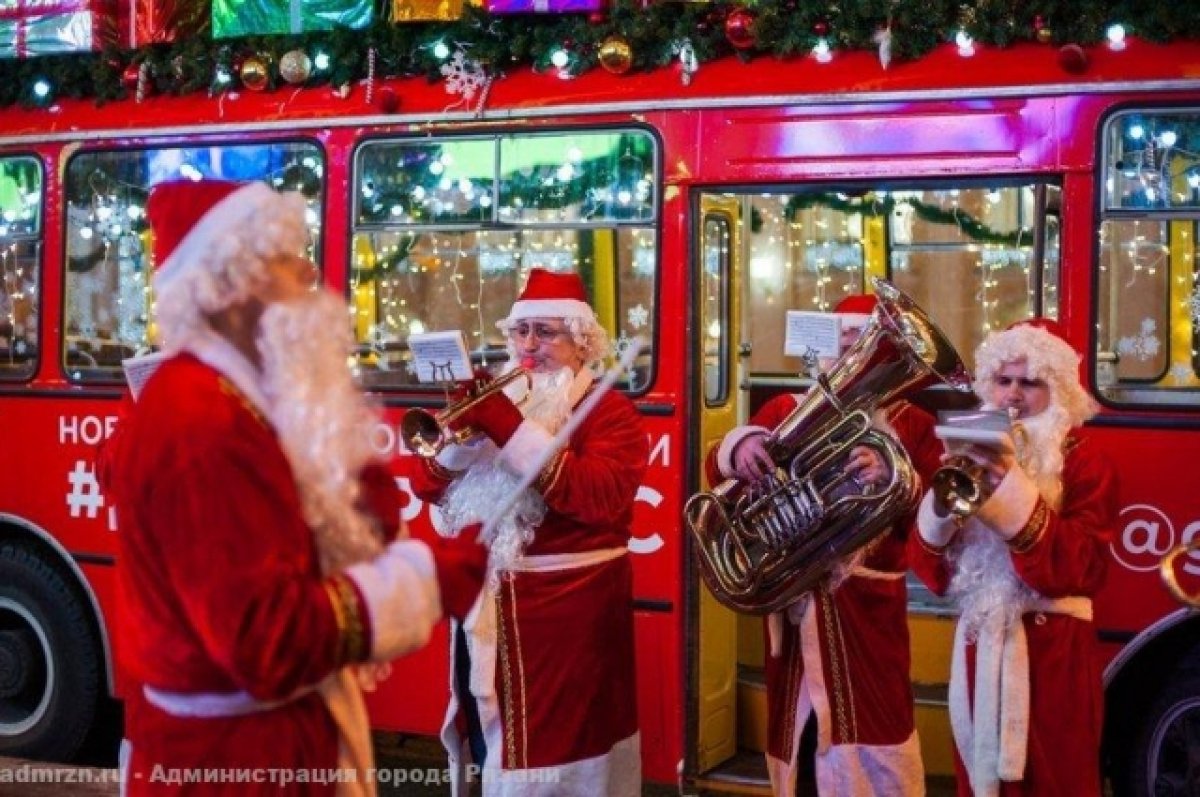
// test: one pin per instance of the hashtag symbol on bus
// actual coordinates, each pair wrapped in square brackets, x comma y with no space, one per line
[85,491]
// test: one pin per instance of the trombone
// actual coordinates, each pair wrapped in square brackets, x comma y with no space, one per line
[1166,569]
[427,433]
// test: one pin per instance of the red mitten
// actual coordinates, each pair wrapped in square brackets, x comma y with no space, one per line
[463,390]
[461,565]
[380,497]
[496,416]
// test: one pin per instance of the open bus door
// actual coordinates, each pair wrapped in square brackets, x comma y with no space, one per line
[718,330]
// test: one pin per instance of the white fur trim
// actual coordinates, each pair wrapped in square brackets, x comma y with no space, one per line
[548,308]
[456,457]
[935,529]
[344,701]
[730,442]
[617,773]
[1009,507]
[783,773]
[214,223]
[525,448]
[400,589]
[814,677]
[850,769]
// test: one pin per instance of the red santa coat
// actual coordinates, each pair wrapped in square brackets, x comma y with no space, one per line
[227,626]
[1061,555]
[552,660]
[845,652]
[845,655]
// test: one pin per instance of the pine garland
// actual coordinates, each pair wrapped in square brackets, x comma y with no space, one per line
[781,28]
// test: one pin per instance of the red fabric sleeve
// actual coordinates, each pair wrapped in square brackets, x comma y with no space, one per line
[380,498]
[461,563]
[596,477]
[1070,557]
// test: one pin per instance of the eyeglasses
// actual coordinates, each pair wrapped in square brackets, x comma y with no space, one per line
[543,332]
[1025,384]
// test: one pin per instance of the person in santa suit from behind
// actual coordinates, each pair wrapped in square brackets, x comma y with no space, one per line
[1025,686]
[543,693]
[839,656]
[261,573]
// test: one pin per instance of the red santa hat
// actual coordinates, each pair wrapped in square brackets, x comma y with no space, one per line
[855,310]
[188,216]
[1043,345]
[551,294]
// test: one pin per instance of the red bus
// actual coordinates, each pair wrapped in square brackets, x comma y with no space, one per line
[989,186]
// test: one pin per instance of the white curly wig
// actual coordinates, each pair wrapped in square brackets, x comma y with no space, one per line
[1048,357]
[586,332]
[226,259]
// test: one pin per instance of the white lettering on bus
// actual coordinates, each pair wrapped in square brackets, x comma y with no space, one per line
[1147,536]
[654,541]
[661,450]
[89,429]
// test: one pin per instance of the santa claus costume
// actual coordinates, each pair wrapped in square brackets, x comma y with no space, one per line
[254,569]
[841,653]
[550,643]
[1025,684]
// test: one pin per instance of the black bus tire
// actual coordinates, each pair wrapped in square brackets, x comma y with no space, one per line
[1167,744]
[51,672]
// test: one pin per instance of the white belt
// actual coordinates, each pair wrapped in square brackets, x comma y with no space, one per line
[550,562]
[213,704]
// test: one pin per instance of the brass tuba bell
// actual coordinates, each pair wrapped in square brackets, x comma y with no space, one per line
[1166,569]
[761,546]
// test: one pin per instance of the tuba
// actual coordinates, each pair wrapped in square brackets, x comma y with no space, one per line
[1166,570]
[763,545]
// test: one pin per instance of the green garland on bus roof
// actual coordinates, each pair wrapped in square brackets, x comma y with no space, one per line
[655,35]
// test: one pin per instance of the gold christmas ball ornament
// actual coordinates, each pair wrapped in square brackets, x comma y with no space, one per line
[295,66]
[254,73]
[615,55]
[1045,35]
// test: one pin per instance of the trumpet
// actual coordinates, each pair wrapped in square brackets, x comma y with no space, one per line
[960,484]
[1166,569]
[427,433]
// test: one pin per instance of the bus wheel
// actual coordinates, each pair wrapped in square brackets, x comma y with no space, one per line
[51,677]
[1167,749]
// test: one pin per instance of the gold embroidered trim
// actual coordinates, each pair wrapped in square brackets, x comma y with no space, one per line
[513,687]
[842,710]
[230,389]
[550,473]
[1033,531]
[352,645]
[440,471]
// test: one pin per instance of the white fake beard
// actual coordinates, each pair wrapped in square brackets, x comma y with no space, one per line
[487,484]
[984,582]
[322,419]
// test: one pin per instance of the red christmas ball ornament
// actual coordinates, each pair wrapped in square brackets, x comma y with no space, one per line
[597,17]
[387,100]
[1072,58]
[821,28]
[739,28]
[129,77]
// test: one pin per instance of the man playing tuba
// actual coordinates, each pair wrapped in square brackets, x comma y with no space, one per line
[1025,688]
[839,656]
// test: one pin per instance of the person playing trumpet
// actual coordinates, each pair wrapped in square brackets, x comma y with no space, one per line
[1025,687]
[543,666]
[838,658]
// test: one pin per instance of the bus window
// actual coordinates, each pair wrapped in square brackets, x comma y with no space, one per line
[976,257]
[108,299]
[20,264]
[715,314]
[446,230]
[1149,287]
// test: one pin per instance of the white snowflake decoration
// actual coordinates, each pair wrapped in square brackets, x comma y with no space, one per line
[638,316]
[621,345]
[464,75]
[1144,345]
[1194,302]
[1183,373]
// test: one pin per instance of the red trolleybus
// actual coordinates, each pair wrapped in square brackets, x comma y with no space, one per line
[990,188]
